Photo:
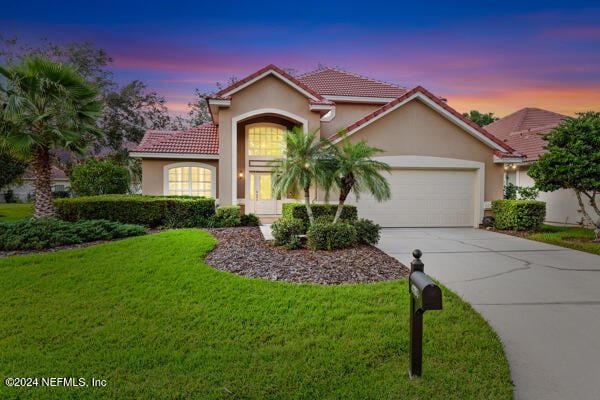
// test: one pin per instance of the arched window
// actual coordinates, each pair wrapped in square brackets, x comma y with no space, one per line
[190,179]
[266,140]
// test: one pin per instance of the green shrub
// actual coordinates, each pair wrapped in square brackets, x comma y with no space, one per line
[96,177]
[367,232]
[286,231]
[151,211]
[520,215]
[512,192]
[47,233]
[331,236]
[250,220]
[527,193]
[61,194]
[227,216]
[298,210]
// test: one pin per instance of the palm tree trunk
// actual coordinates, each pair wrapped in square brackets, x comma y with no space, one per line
[311,219]
[340,207]
[43,204]
[345,188]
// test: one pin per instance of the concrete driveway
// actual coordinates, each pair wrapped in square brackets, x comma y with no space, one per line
[542,300]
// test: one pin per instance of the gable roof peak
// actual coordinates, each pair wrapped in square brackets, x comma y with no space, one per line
[436,103]
[271,68]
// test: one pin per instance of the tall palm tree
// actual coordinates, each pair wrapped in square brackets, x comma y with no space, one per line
[45,105]
[301,166]
[357,172]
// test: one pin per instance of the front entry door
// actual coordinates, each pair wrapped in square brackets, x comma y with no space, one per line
[261,194]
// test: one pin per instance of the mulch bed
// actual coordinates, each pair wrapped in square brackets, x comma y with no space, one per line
[245,252]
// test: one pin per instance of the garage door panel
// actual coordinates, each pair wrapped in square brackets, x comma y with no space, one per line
[423,198]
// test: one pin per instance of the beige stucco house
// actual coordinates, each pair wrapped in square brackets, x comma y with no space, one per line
[446,170]
[524,131]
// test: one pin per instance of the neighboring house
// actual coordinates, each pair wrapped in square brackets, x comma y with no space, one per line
[24,190]
[523,131]
[446,169]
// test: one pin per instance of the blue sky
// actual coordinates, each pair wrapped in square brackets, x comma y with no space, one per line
[490,56]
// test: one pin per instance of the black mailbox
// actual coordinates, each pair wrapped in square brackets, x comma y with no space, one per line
[424,295]
[427,295]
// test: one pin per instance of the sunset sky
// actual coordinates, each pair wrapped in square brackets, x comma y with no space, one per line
[489,56]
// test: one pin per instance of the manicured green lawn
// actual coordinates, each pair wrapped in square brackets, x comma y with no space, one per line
[149,317]
[558,235]
[15,212]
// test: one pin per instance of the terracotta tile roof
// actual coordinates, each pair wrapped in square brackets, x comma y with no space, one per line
[203,139]
[523,130]
[221,94]
[419,89]
[335,82]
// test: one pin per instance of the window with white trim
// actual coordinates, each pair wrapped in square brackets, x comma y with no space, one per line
[190,181]
[266,140]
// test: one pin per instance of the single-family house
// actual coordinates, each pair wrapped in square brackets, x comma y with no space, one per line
[524,131]
[445,169]
[23,190]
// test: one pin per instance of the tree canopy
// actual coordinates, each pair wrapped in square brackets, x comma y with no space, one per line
[130,108]
[573,162]
[12,169]
[44,106]
[481,119]
[356,171]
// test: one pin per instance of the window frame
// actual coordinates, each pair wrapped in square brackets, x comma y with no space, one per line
[212,169]
[270,125]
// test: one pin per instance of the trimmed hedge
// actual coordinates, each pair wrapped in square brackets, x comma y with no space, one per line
[228,216]
[286,232]
[520,215]
[330,236]
[47,232]
[151,211]
[298,210]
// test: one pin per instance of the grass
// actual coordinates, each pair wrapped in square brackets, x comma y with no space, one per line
[150,318]
[558,235]
[15,212]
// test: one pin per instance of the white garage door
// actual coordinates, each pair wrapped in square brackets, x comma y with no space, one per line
[422,198]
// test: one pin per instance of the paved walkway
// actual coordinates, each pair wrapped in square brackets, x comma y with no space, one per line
[542,300]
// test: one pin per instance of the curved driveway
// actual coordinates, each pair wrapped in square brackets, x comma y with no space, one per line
[542,300]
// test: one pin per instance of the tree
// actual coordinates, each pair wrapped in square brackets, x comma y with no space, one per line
[46,105]
[573,162]
[356,171]
[479,118]
[96,177]
[302,165]
[130,109]
[12,169]
[129,112]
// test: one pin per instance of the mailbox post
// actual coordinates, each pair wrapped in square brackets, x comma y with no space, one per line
[424,295]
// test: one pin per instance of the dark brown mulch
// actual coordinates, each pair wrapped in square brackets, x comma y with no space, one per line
[522,234]
[244,251]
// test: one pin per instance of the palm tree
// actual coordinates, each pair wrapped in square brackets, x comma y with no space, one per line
[43,106]
[302,165]
[357,172]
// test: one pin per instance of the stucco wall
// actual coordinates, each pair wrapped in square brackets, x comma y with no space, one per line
[268,93]
[346,114]
[153,178]
[561,205]
[416,129]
